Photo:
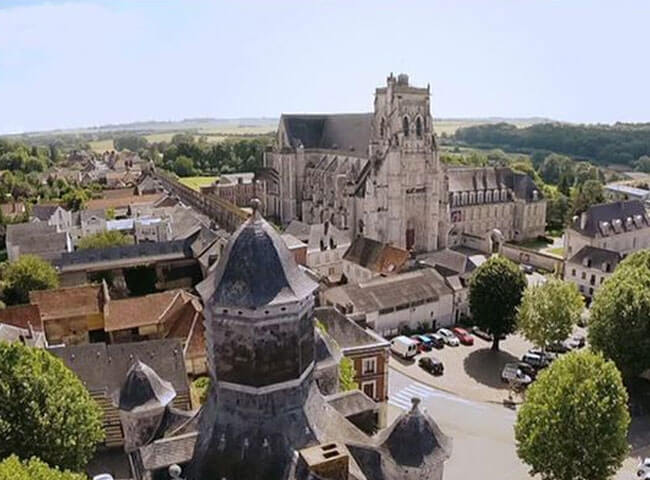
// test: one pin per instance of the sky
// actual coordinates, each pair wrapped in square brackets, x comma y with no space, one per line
[84,63]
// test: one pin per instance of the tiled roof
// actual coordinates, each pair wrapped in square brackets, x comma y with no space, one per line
[68,301]
[376,256]
[123,202]
[22,316]
[149,310]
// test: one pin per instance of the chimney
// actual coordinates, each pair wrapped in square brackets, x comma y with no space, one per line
[583,220]
[329,461]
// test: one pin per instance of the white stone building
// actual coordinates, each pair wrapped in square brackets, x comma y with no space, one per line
[378,175]
[598,239]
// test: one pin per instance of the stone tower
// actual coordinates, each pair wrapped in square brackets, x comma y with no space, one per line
[260,341]
[402,191]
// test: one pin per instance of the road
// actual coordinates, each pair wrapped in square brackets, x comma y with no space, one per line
[482,433]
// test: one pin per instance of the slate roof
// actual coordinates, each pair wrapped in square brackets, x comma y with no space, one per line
[348,132]
[143,388]
[43,212]
[103,367]
[299,230]
[600,219]
[256,269]
[351,402]
[37,238]
[596,257]
[376,256]
[467,179]
[168,451]
[69,301]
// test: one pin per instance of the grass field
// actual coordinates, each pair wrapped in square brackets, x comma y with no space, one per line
[100,146]
[196,182]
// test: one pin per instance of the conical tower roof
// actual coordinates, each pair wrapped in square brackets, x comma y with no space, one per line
[144,388]
[256,269]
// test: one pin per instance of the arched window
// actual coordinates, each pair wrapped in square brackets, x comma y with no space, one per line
[382,127]
[418,127]
[405,126]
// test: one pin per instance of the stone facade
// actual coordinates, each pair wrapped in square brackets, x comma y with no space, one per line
[379,175]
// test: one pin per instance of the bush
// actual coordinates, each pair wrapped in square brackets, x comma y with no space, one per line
[11,468]
[27,273]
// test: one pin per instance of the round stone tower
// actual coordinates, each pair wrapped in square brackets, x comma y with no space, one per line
[260,338]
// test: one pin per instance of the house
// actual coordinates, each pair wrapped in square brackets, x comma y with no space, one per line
[103,370]
[237,188]
[296,247]
[599,238]
[87,222]
[72,315]
[368,351]
[389,304]
[27,317]
[325,250]
[623,191]
[367,258]
[54,215]
[37,238]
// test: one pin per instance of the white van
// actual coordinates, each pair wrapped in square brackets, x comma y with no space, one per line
[404,347]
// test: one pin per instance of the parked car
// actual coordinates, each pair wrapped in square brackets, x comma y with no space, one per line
[511,373]
[576,341]
[449,338]
[463,335]
[436,340]
[431,365]
[558,347]
[404,347]
[528,269]
[536,360]
[425,342]
[527,369]
[417,341]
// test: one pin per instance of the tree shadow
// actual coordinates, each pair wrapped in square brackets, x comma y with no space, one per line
[485,366]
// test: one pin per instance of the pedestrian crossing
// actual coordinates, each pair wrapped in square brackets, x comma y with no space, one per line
[402,398]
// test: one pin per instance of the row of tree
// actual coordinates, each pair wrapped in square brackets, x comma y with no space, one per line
[574,421]
[604,144]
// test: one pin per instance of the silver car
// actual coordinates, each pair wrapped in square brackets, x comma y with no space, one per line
[449,337]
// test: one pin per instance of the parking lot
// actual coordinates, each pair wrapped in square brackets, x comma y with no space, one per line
[472,372]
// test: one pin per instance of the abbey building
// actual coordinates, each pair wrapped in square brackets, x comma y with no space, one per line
[379,175]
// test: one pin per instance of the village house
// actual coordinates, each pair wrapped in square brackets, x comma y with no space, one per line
[599,238]
[415,299]
[54,215]
[367,258]
[36,238]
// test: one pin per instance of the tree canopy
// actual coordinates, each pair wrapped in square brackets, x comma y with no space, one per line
[573,424]
[45,410]
[27,273]
[495,292]
[619,325]
[108,238]
[11,468]
[585,195]
[130,142]
[549,311]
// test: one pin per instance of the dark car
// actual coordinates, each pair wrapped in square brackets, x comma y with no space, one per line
[436,340]
[558,347]
[527,369]
[431,365]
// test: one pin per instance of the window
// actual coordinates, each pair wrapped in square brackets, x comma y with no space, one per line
[368,365]
[584,275]
[382,127]
[405,126]
[369,388]
[573,272]
[418,127]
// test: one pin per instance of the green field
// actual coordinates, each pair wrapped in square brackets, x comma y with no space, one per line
[196,182]
[101,146]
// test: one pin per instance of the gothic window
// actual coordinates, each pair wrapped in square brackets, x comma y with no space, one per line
[488,196]
[480,197]
[382,127]
[418,127]
[405,126]
[463,198]
[472,197]
[454,199]
[504,194]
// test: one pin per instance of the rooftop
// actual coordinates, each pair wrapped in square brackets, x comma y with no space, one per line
[612,218]
[628,190]
[347,334]
[376,256]
[68,301]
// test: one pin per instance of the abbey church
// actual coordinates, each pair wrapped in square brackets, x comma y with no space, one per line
[379,175]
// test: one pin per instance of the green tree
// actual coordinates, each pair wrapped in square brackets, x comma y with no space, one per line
[183,166]
[573,424]
[45,410]
[495,291]
[346,375]
[76,199]
[202,387]
[27,273]
[108,238]
[584,196]
[643,164]
[11,468]
[549,311]
[110,213]
[130,142]
[619,324]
